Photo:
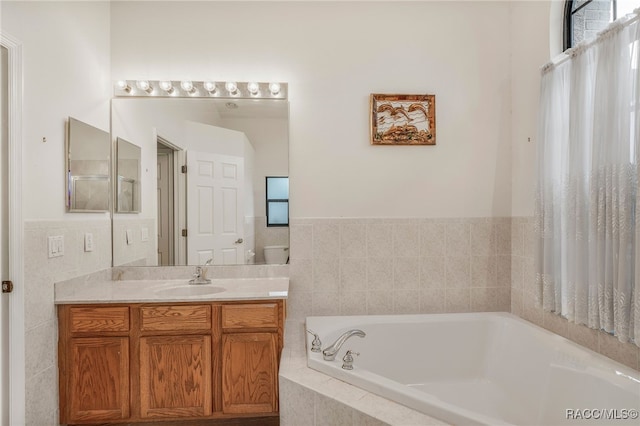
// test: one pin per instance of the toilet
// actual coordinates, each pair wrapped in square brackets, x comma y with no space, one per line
[276,254]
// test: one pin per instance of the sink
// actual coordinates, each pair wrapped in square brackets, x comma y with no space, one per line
[189,290]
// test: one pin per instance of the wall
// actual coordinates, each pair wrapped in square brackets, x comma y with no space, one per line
[388,47]
[66,73]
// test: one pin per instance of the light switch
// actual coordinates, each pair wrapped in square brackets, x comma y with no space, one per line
[145,234]
[129,235]
[88,241]
[56,246]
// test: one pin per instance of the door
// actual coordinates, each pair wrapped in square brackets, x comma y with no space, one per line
[99,379]
[175,376]
[249,373]
[165,206]
[4,238]
[215,208]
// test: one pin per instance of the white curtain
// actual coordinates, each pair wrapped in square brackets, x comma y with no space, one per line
[587,259]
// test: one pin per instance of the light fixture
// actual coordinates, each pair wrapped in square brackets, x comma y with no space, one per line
[144,86]
[201,89]
[274,88]
[123,85]
[187,86]
[253,88]
[209,86]
[167,86]
[231,87]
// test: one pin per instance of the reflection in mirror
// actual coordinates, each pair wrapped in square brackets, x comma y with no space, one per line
[204,164]
[87,156]
[128,172]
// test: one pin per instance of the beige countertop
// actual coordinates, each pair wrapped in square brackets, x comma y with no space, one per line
[158,291]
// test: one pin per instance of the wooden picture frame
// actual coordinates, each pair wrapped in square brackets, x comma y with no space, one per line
[403,119]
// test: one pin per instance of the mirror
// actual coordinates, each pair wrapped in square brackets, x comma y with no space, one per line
[87,165]
[128,173]
[203,169]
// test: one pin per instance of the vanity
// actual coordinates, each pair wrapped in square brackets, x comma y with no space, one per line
[146,350]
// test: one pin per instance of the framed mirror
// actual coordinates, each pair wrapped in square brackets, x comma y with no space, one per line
[87,166]
[204,164]
[128,158]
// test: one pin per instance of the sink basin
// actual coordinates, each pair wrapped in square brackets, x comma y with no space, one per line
[189,290]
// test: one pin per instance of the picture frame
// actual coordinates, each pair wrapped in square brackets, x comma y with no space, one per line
[403,119]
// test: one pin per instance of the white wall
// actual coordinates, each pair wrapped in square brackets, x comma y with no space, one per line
[66,73]
[333,55]
[530,40]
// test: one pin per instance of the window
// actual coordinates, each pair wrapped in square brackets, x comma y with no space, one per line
[277,201]
[585,18]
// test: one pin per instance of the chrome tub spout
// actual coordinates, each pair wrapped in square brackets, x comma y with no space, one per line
[329,354]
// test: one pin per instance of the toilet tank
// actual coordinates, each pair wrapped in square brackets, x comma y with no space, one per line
[276,254]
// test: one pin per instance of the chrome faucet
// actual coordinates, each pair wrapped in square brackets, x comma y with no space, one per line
[329,354]
[199,277]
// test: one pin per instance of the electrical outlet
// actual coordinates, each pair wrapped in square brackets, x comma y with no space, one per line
[144,234]
[88,241]
[56,246]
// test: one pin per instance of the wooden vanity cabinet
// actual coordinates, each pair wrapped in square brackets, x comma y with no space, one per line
[94,363]
[250,358]
[140,362]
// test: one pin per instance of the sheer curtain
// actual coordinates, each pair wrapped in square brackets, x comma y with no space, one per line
[587,259]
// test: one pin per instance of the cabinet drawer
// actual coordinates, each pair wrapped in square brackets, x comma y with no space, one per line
[256,315]
[175,317]
[88,319]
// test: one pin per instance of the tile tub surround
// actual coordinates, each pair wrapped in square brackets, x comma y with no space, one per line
[395,266]
[523,302]
[310,398]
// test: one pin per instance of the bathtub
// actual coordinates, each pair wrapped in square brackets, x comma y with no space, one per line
[480,369]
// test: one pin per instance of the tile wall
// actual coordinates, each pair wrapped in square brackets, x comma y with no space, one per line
[137,252]
[40,274]
[385,266]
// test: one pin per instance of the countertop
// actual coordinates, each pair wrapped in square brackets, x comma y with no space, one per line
[158,291]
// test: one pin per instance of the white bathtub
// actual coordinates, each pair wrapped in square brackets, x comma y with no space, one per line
[484,368]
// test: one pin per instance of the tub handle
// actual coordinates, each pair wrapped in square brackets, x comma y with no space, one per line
[348,359]
[316,344]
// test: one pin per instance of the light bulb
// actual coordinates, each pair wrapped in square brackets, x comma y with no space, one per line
[231,87]
[253,88]
[209,86]
[122,85]
[166,86]
[274,88]
[144,85]
[187,86]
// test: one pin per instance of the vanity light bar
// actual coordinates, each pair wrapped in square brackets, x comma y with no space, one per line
[200,89]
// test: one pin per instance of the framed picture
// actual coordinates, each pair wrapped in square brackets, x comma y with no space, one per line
[403,119]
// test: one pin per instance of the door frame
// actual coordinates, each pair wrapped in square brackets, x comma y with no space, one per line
[16,231]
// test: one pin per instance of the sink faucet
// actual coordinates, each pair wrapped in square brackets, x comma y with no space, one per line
[200,275]
[329,354]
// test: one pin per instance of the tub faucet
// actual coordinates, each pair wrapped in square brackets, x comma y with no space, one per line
[199,277]
[329,354]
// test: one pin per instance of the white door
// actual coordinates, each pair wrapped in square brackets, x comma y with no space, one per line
[215,208]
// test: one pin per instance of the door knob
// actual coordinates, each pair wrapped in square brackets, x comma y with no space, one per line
[239,241]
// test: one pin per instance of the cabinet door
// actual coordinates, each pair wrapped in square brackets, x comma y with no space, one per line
[175,376]
[99,379]
[249,373]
